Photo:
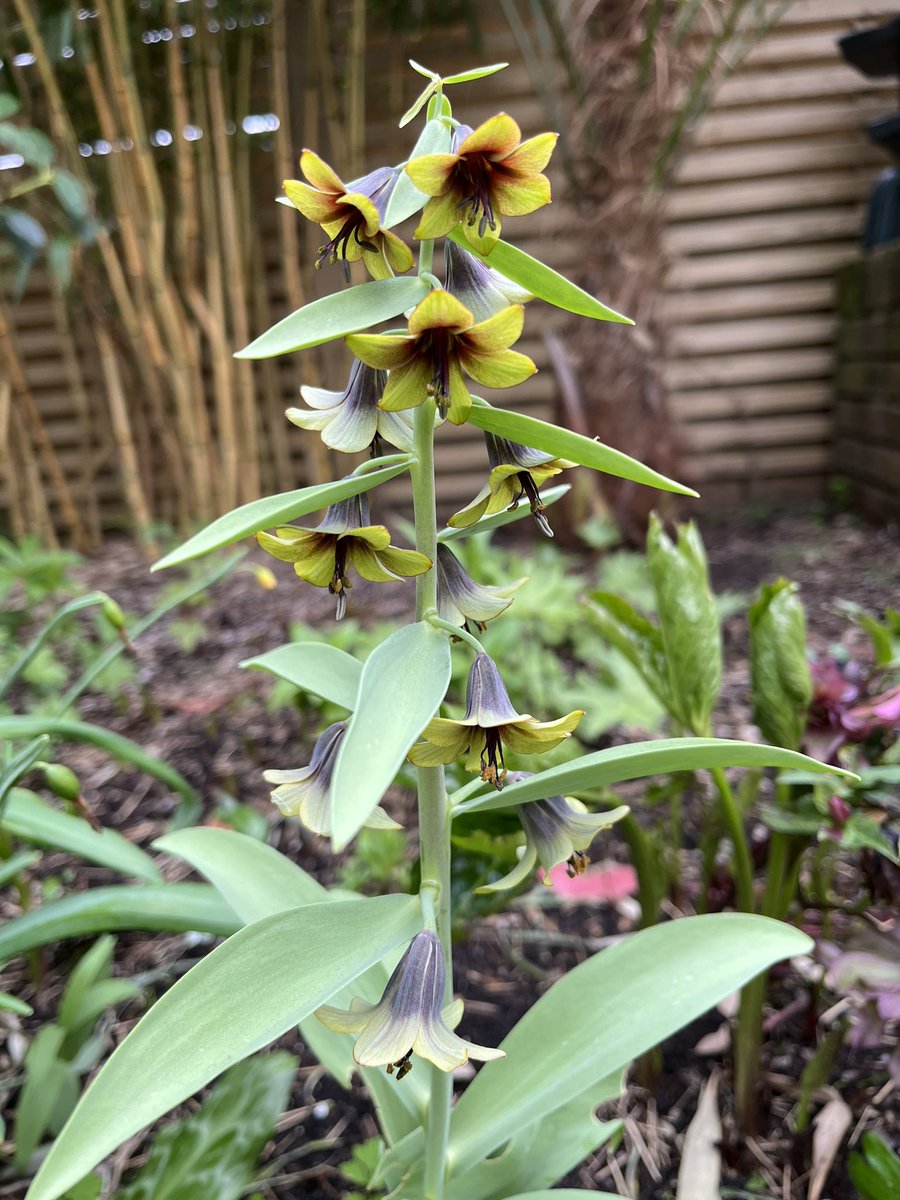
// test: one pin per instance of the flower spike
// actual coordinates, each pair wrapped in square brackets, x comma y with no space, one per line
[517,473]
[351,420]
[443,341]
[343,538]
[409,1018]
[351,214]
[490,174]
[490,723]
[306,792]
[557,830]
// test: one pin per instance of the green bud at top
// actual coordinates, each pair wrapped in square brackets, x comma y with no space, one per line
[780,679]
[113,613]
[62,781]
[688,622]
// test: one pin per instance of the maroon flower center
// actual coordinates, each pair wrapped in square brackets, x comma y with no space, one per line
[529,491]
[493,768]
[439,344]
[339,581]
[337,247]
[473,179]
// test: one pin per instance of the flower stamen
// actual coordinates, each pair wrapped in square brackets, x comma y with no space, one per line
[493,768]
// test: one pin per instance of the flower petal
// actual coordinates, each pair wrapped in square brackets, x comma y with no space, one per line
[387,1037]
[342,1020]
[533,737]
[304,419]
[369,565]
[440,1046]
[407,385]
[396,251]
[440,310]
[496,137]
[376,537]
[319,207]
[440,215]
[532,156]
[472,512]
[291,547]
[502,369]
[406,563]
[520,872]
[482,242]
[317,568]
[317,397]
[376,263]
[380,350]
[497,332]
[396,429]
[518,197]
[459,402]
[432,172]
[350,429]
[365,206]
[319,174]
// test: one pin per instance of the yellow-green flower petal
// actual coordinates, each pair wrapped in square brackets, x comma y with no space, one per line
[440,215]
[532,156]
[502,369]
[407,385]
[432,172]
[518,197]
[496,137]
[315,206]
[379,350]
[319,174]
[440,310]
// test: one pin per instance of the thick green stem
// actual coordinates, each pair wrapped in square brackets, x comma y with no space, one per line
[734,821]
[434,809]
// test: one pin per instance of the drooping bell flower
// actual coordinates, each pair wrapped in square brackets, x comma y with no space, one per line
[461,600]
[343,538]
[351,420]
[410,1018]
[443,341]
[306,792]
[479,287]
[351,214]
[557,830]
[517,473]
[490,724]
[491,174]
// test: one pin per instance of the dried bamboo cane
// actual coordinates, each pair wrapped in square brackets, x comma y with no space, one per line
[356,88]
[186,225]
[26,405]
[127,454]
[248,447]
[17,522]
[37,511]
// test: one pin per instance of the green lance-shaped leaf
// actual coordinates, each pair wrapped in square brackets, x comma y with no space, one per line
[562,443]
[640,760]
[542,281]
[286,506]
[12,1004]
[314,667]
[448,534]
[339,314]
[26,816]
[113,743]
[606,1012]
[238,999]
[635,637]
[689,624]
[403,683]
[254,879]
[156,907]
[11,867]
[406,198]
[780,679]
[213,1152]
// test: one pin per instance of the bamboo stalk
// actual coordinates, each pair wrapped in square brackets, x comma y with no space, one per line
[186,225]
[37,515]
[128,460]
[26,405]
[356,88]
[17,522]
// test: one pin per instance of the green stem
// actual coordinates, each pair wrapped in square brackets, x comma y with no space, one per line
[734,821]
[434,809]
[457,631]
[647,868]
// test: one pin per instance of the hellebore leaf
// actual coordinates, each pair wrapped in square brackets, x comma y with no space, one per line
[403,683]
[314,667]
[406,198]
[254,878]
[641,759]
[26,816]
[542,281]
[607,1011]
[216,1015]
[341,313]
[286,506]
[563,443]
[502,518]
[162,907]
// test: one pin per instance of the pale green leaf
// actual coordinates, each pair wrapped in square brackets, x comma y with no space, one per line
[780,680]
[640,760]
[420,101]
[314,667]
[542,281]
[475,73]
[334,316]
[249,991]
[12,1004]
[563,443]
[11,867]
[35,147]
[254,879]
[286,506]
[406,198]
[403,683]
[506,517]
[9,105]
[607,1011]
[420,70]
[156,907]
[26,816]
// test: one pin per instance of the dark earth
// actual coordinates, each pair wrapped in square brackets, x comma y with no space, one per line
[211,721]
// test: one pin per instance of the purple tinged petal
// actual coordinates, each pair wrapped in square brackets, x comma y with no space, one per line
[487,701]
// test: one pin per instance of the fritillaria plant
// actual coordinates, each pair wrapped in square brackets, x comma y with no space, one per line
[370,980]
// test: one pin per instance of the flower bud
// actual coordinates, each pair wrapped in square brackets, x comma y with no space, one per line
[62,781]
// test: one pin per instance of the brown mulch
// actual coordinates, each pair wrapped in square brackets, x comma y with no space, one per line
[211,721]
